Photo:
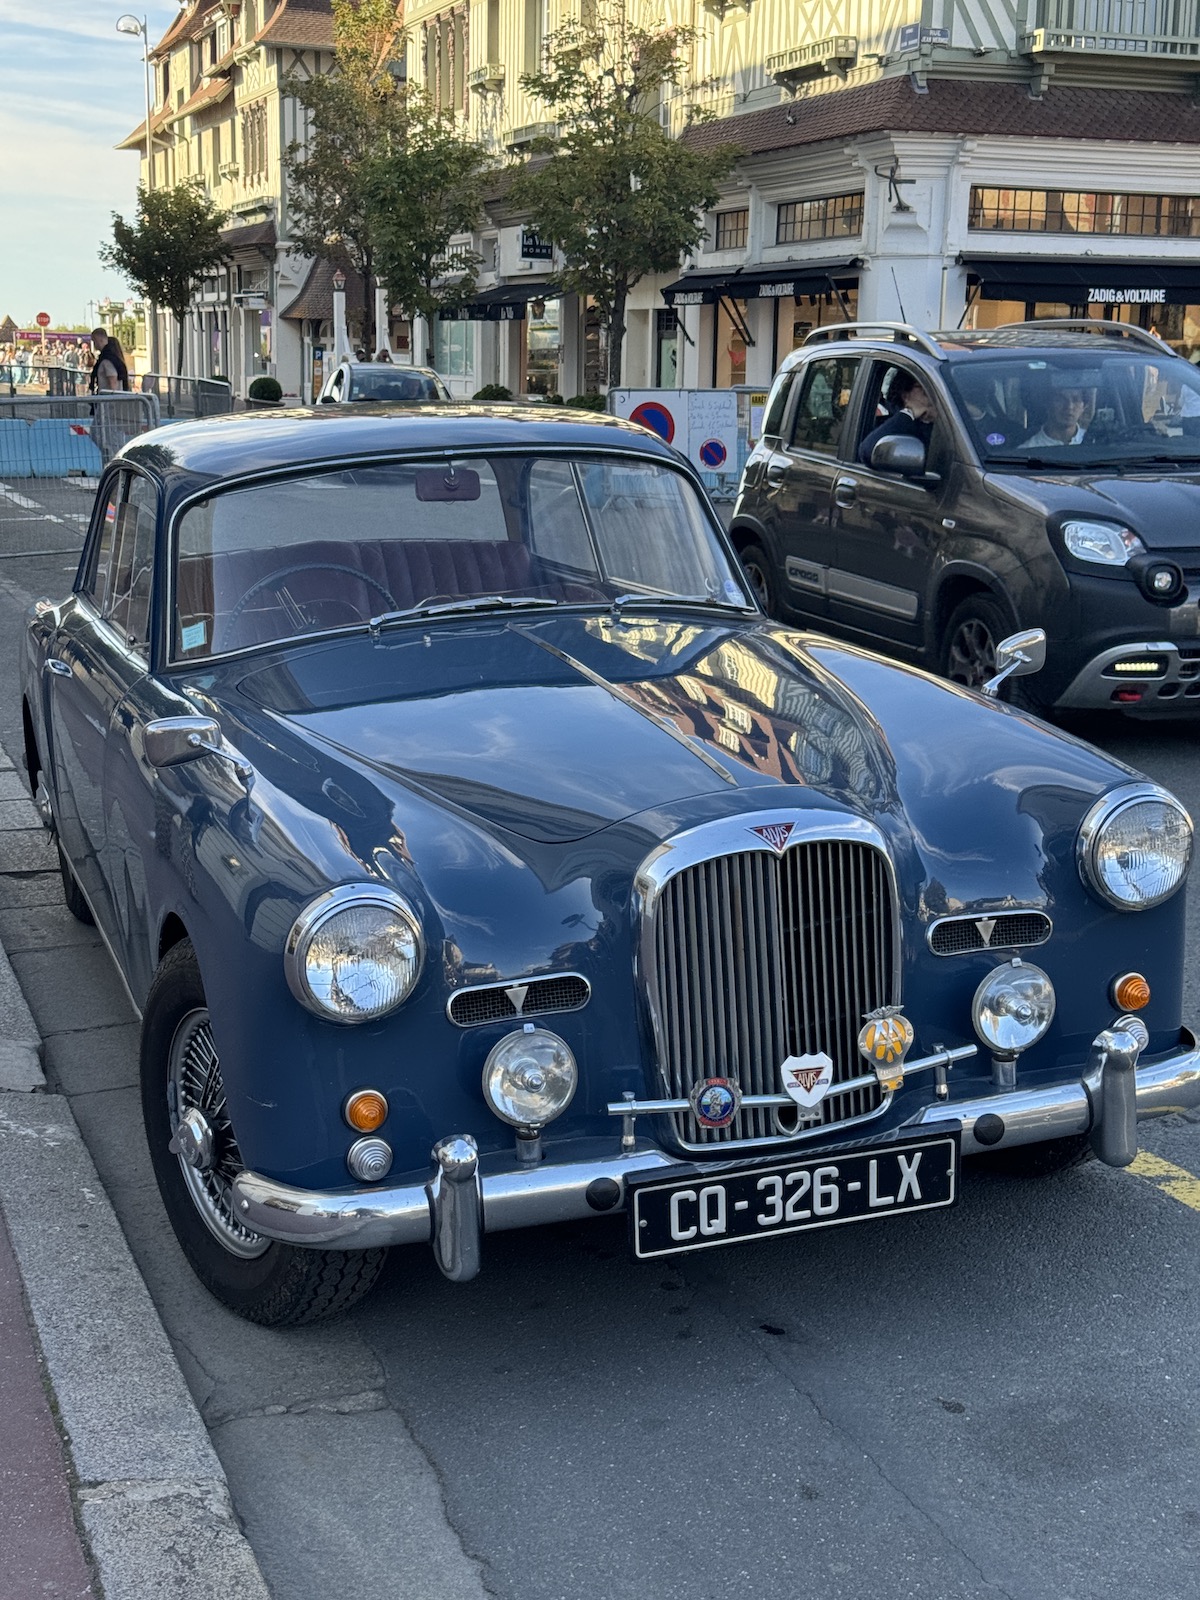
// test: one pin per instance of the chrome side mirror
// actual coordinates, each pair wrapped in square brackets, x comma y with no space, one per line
[1018,656]
[171,741]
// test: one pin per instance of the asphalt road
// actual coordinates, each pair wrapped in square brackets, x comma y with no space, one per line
[999,1400]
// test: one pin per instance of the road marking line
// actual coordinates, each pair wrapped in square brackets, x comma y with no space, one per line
[1178,1182]
[7,492]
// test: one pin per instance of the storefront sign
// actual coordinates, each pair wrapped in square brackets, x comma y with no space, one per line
[534,248]
[692,297]
[1127,297]
[776,291]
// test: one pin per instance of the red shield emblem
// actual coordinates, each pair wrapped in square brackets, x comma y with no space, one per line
[776,834]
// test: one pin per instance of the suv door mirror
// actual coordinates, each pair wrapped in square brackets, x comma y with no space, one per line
[899,452]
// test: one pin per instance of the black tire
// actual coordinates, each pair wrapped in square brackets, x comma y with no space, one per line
[968,649]
[72,893]
[757,566]
[1038,1160]
[277,1285]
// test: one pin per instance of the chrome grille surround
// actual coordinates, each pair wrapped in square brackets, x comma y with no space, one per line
[495,1002]
[736,980]
[1011,930]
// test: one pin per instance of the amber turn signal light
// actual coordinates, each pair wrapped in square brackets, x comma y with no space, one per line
[365,1110]
[1131,993]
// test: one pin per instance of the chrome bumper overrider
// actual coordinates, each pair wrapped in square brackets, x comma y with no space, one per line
[459,1202]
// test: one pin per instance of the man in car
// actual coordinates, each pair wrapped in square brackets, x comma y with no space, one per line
[912,415]
[1065,421]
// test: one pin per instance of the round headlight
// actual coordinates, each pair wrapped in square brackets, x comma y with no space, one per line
[1013,1007]
[1135,846]
[530,1077]
[354,953]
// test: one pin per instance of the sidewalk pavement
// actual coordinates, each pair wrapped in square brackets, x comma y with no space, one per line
[109,1484]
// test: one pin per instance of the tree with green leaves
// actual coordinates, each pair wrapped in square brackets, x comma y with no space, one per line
[424,191]
[173,242]
[352,112]
[620,197]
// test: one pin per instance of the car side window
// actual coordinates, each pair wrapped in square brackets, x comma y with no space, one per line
[823,402]
[772,426]
[95,581]
[881,402]
[127,607]
[335,389]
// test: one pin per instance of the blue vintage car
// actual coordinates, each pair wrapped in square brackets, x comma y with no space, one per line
[479,855]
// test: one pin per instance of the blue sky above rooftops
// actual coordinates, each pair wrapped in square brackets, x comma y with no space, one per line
[73,87]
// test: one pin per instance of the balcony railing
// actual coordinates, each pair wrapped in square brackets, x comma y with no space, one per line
[836,54]
[1167,29]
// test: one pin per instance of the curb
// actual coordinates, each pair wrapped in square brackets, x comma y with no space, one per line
[150,1493]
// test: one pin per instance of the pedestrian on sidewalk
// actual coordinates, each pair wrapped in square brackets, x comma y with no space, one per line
[110,371]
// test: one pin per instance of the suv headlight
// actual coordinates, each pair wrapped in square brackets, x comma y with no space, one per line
[354,953]
[1105,543]
[1135,846]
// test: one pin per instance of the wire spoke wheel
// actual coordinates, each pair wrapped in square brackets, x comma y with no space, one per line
[194,1083]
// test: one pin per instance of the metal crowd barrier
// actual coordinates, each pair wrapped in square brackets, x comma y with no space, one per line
[43,436]
[188,397]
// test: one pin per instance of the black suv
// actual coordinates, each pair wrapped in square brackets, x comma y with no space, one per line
[933,492]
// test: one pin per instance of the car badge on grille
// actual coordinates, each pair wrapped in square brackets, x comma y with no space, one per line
[807,1078]
[884,1042]
[776,834]
[715,1101]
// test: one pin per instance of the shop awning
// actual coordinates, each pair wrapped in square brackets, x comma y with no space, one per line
[760,283]
[1084,280]
[504,303]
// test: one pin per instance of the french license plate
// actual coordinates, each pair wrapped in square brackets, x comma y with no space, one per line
[699,1212]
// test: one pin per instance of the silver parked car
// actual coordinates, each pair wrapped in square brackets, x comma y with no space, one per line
[382,383]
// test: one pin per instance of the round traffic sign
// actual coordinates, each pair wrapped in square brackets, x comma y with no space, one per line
[654,415]
[42,319]
[713,453]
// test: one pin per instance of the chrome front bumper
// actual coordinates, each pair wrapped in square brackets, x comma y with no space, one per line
[460,1202]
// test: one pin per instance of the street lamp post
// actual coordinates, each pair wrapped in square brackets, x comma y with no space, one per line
[139,29]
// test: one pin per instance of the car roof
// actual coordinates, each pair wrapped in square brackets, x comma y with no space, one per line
[956,344]
[188,457]
[385,366]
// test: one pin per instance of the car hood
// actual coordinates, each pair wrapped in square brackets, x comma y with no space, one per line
[1163,508]
[554,729]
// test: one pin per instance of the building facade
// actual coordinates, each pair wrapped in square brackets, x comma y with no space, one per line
[942,162]
[932,161]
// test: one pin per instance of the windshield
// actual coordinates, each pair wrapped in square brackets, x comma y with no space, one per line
[386,383]
[1076,408]
[377,544]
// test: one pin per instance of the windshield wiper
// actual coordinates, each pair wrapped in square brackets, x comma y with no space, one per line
[707,602]
[481,602]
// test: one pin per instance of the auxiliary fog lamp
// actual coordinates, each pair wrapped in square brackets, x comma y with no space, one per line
[1012,1009]
[529,1078]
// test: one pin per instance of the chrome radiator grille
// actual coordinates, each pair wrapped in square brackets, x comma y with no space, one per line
[757,957]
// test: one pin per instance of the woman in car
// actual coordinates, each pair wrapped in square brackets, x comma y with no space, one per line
[912,415]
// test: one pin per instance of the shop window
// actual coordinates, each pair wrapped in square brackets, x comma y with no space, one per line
[452,349]
[543,338]
[732,229]
[799,316]
[666,350]
[729,354]
[833,216]
[1077,211]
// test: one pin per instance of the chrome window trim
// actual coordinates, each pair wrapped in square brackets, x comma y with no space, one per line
[1101,813]
[313,917]
[979,916]
[502,985]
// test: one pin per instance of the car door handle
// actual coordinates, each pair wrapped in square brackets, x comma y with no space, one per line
[844,491]
[59,668]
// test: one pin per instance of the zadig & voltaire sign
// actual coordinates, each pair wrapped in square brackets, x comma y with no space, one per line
[1128,297]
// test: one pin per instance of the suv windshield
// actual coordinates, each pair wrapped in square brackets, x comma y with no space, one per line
[1076,408]
[340,548]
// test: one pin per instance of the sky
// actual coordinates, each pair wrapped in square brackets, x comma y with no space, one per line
[73,88]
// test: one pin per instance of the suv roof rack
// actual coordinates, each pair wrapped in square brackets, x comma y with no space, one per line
[1097,325]
[899,332]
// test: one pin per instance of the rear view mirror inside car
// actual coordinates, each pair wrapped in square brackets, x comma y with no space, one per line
[447,483]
